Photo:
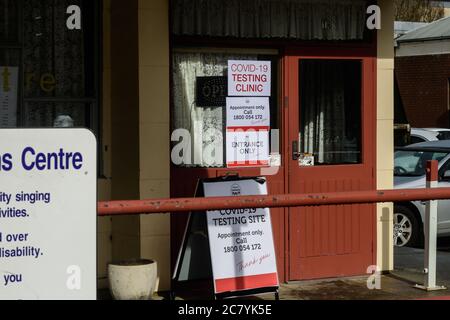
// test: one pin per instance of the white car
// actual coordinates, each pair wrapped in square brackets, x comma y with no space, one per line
[409,173]
[429,134]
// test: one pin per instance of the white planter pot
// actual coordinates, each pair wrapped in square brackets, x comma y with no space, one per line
[132,280]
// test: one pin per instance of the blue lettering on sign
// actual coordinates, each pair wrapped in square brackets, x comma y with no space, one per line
[61,160]
[40,161]
[11,278]
[6,162]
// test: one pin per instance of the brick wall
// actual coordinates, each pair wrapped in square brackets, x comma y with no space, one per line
[424,87]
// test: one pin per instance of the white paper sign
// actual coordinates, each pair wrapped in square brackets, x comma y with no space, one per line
[241,240]
[248,112]
[48,214]
[249,78]
[9,80]
[306,160]
[247,148]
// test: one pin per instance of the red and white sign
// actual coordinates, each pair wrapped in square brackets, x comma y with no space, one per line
[249,78]
[247,147]
[241,240]
[247,137]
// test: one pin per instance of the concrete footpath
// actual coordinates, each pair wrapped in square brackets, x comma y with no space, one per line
[394,286]
[397,285]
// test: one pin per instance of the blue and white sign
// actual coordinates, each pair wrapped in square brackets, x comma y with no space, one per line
[48,214]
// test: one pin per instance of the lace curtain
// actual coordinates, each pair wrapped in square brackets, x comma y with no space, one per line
[52,51]
[331,110]
[292,19]
[205,124]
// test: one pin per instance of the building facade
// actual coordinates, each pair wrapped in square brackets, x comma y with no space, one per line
[131,74]
[422,69]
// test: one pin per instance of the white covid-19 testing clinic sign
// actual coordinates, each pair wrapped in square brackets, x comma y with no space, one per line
[249,78]
[48,214]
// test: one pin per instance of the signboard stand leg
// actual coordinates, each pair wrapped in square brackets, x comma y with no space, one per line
[195,218]
[195,243]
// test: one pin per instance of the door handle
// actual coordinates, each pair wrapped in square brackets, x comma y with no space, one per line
[295,153]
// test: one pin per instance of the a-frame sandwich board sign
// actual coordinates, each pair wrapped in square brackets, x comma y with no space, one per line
[233,248]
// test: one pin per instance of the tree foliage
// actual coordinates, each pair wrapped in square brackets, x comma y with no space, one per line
[418,10]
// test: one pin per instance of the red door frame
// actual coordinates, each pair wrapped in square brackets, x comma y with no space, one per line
[368,56]
[281,218]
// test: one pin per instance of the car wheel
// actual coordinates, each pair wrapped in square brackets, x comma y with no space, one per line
[407,228]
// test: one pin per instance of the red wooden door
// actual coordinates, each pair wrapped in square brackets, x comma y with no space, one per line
[339,240]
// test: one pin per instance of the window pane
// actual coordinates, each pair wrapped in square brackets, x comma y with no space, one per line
[9,87]
[416,139]
[330,110]
[9,57]
[49,114]
[203,116]
[414,163]
[54,55]
[9,21]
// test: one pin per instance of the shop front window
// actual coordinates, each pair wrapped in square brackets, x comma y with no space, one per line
[59,115]
[53,68]
[199,100]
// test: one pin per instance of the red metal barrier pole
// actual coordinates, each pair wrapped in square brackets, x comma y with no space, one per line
[271,201]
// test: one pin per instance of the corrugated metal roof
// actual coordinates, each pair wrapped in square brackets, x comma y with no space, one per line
[439,29]
[403,27]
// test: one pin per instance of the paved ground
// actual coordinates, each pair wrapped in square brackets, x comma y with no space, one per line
[398,285]
[395,286]
[392,288]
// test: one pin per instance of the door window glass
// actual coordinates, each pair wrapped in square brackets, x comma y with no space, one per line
[330,110]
